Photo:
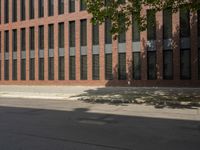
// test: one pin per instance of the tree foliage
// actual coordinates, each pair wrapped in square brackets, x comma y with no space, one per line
[124,11]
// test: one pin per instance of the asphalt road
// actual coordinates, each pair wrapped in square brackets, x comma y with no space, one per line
[32,128]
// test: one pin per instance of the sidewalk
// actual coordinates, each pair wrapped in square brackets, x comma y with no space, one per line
[65,98]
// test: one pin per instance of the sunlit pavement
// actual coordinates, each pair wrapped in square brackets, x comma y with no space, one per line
[35,124]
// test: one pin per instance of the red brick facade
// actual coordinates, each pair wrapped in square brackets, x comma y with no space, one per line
[77,16]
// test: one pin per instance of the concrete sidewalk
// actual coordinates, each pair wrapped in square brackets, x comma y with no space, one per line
[56,98]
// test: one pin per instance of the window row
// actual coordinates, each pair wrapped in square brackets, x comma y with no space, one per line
[31,7]
[185,67]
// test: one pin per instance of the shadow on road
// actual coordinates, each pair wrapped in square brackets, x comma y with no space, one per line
[80,129]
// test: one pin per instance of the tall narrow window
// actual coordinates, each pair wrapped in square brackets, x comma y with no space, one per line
[71,6]
[41,53]
[23,39]
[0,52]
[151,37]
[83,38]
[32,38]
[41,8]
[95,66]
[14,10]
[41,69]
[6,39]
[51,55]
[51,36]
[108,67]
[6,62]
[14,69]
[95,55]
[95,34]
[72,57]
[23,54]
[41,37]
[31,9]
[23,10]
[32,69]
[199,42]
[50,7]
[185,52]
[82,5]
[6,11]
[168,51]
[122,66]
[136,51]
[14,40]
[108,35]
[60,6]
[61,59]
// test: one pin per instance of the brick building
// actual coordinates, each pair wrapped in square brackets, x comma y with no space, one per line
[53,42]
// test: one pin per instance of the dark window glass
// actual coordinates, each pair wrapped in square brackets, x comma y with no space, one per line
[185,64]
[32,69]
[199,64]
[32,38]
[14,10]
[122,34]
[83,37]
[122,66]
[108,67]
[31,9]
[108,35]
[72,34]
[184,22]
[61,68]
[6,11]
[6,46]
[23,39]
[83,67]
[71,6]
[151,62]
[41,37]
[135,32]
[51,36]
[41,8]
[72,68]
[168,65]
[6,70]
[136,66]
[23,10]
[60,6]
[82,5]
[199,23]
[50,7]
[95,34]
[0,69]
[41,69]
[23,69]
[14,40]
[61,35]
[51,68]
[95,66]
[151,25]
[167,23]
[14,69]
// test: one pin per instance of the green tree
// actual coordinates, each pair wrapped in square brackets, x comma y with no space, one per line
[124,11]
